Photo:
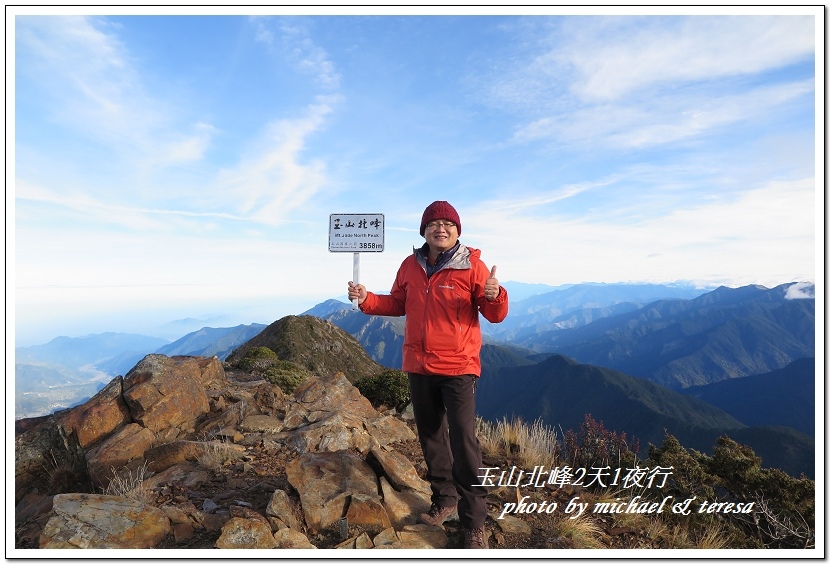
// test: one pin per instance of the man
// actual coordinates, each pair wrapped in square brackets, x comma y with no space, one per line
[441,289]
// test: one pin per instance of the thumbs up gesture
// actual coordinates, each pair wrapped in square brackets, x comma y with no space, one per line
[491,286]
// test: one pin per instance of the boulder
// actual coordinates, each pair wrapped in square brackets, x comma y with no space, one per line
[412,537]
[116,451]
[164,456]
[165,422]
[367,510]
[326,481]
[48,461]
[261,424]
[329,414]
[103,521]
[279,510]
[292,538]
[317,398]
[362,541]
[240,532]
[98,417]
[169,392]
[185,475]
[403,507]
[399,470]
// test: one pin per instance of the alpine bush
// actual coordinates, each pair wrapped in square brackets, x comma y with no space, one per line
[257,358]
[782,507]
[594,445]
[389,388]
[264,362]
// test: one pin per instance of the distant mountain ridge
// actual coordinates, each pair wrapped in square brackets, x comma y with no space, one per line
[560,392]
[579,304]
[726,333]
[213,342]
[786,396]
[764,318]
[760,327]
[68,370]
[91,349]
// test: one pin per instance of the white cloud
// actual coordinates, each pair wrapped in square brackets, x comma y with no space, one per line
[271,181]
[654,122]
[296,43]
[97,92]
[87,73]
[801,291]
[532,203]
[309,57]
[684,119]
[90,210]
[151,221]
[759,236]
[631,82]
[186,148]
[95,89]
[616,57]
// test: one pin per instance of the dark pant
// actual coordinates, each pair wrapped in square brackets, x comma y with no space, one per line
[445,414]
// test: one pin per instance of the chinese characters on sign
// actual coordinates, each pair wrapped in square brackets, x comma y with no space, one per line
[356,232]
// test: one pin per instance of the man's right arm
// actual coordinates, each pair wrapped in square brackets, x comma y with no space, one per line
[382,304]
[392,304]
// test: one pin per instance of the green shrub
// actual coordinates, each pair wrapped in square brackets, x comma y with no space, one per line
[282,373]
[258,358]
[286,375]
[783,507]
[389,388]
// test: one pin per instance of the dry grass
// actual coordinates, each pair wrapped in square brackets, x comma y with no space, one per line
[681,534]
[130,484]
[656,528]
[530,445]
[679,537]
[712,538]
[582,531]
[214,455]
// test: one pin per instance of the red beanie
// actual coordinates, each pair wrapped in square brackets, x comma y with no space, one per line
[440,210]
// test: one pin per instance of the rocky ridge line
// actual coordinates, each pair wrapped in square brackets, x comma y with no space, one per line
[326,469]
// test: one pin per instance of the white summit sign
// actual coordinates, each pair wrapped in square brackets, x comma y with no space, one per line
[356,233]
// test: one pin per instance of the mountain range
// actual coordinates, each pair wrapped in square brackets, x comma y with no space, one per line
[560,392]
[644,359]
[723,334]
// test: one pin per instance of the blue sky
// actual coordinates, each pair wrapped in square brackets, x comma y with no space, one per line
[185,166]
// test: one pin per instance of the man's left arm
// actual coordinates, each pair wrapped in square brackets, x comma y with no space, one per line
[491,297]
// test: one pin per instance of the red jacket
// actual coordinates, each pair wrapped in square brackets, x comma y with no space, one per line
[442,334]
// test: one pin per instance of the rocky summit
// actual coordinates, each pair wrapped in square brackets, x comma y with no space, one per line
[187,452]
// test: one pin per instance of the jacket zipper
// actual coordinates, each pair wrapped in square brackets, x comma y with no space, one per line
[426,308]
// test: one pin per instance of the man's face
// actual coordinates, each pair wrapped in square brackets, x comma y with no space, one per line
[441,235]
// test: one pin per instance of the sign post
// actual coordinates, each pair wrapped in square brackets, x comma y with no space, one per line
[355,275]
[356,233]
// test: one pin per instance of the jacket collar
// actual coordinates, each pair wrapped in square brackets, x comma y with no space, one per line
[457,258]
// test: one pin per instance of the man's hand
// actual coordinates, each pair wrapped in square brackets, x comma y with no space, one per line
[491,286]
[357,292]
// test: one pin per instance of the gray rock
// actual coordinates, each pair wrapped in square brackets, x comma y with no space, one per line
[280,508]
[103,521]
[325,482]
[240,532]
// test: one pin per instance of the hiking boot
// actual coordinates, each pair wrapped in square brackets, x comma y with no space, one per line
[475,538]
[437,514]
